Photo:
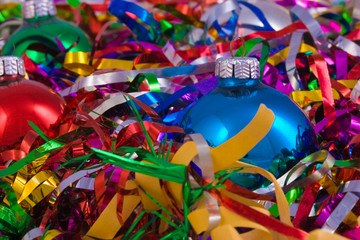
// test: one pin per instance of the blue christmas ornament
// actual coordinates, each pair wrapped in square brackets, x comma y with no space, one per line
[227,109]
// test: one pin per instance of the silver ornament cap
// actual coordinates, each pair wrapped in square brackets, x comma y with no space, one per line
[238,67]
[11,66]
[40,8]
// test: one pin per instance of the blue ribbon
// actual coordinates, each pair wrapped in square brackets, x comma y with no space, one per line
[260,15]
[119,8]
[229,28]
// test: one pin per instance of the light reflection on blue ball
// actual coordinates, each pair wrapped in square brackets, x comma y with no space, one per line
[226,110]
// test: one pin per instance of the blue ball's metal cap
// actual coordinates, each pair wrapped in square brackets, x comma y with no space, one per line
[238,67]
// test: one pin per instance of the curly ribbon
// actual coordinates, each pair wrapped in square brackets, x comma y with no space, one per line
[313,26]
[116,77]
[340,212]
[74,3]
[118,98]
[21,216]
[163,170]
[188,151]
[78,62]
[303,98]
[107,225]
[341,64]
[293,75]
[124,199]
[320,70]
[120,9]
[297,170]
[44,183]
[211,17]
[34,233]
[306,204]
[203,159]
[281,55]
[348,46]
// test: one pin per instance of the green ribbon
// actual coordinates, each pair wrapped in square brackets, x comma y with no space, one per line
[151,78]
[8,222]
[74,3]
[348,163]
[14,215]
[162,170]
[313,85]
[345,15]
[7,13]
[45,149]
[291,196]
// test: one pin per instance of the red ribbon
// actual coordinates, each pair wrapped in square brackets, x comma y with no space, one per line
[354,35]
[260,218]
[306,204]
[203,51]
[319,67]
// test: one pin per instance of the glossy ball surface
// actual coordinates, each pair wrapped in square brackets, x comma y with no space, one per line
[25,100]
[45,30]
[226,110]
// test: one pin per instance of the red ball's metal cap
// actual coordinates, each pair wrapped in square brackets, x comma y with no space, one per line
[11,66]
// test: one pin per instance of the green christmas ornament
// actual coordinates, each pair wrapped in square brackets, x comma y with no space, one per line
[41,26]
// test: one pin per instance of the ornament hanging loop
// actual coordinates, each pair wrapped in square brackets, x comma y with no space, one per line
[231,46]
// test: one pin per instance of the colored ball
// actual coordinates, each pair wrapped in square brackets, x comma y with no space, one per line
[228,109]
[23,101]
[46,31]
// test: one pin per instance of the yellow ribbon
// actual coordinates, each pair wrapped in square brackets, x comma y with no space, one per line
[303,98]
[108,224]
[51,234]
[78,62]
[281,55]
[229,152]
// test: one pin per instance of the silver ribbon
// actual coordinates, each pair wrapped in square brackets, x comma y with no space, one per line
[297,170]
[33,233]
[203,159]
[76,176]
[340,212]
[86,183]
[313,26]
[214,213]
[290,61]
[351,186]
[348,46]
[124,76]
[114,100]
[355,93]
[356,9]
[170,53]
[220,12]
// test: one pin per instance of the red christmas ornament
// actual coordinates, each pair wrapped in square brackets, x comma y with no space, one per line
[23,100]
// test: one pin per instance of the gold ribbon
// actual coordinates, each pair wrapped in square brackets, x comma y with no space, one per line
[303,98]
[78,62]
